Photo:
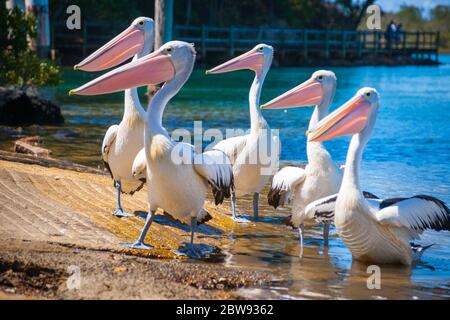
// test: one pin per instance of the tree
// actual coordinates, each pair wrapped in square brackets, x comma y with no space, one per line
[116,14]
[440,18]
[350,12]
[20,65]
[317,14]
[410,17]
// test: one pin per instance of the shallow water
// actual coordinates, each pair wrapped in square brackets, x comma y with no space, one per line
[330,273]
[409,153]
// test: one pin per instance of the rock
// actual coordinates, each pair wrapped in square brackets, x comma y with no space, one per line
[33,140]
[20,109]
[11,131]
[36,128]
[66,134]
[23,147]
[29,145]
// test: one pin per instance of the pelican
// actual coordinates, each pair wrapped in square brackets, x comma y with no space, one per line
[375,231]
[321,177]
[122,142]
[244,151]
[177,176]
[139,168]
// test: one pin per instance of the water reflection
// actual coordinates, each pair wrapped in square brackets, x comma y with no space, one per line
[328,273]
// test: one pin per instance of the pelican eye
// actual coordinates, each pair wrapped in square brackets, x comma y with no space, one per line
[320,78]
[368,94]
[260,48]
[169,49]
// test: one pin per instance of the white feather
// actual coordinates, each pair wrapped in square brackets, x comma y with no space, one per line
[322,205]
[412,213]
[215,167]
[287,180]
[139,167]
[108,140]
[232,146]
[319,207]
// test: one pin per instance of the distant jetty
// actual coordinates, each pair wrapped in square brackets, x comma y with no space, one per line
[293,47]
[306,47]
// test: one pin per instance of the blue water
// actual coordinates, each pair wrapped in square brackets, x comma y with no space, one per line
[409,153]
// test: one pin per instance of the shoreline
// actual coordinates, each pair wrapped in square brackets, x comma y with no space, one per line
[61,217]
[379,60]
[312,62]
[46,270]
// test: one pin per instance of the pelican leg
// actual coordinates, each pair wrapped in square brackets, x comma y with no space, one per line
[233,210]
[255,205]
[326,232]
[191,250]
[119,212]
[193,224]
[300,233]
[139,244]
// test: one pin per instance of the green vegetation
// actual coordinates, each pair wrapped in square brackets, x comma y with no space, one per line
[320,14]
[337,14]
[19,65]
[116,13]
[313,14]
[440,20]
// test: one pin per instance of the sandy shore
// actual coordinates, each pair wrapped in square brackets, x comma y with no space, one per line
[37,269]
[57,220]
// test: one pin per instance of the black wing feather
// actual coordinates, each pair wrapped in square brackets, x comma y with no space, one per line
[441,222]
[275,195]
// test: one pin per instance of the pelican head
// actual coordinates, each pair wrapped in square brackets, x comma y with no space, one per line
[173,58]
[312,92]
[257,59]
[352,117]
[182,55]
[138,170]
[136,39]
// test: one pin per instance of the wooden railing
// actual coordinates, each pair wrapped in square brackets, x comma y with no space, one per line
[308,43]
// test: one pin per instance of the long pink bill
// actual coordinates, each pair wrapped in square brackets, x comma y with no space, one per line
[349,119]
[309,93]
[116,51]
[152,69]
[251,60]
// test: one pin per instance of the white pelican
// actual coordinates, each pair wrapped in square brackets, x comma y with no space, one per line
[122,142]
[245,152]
[375,231]
[321,177]
[139,168]
[178,184]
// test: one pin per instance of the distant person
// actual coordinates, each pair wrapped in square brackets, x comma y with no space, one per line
[399,33]
[390,33]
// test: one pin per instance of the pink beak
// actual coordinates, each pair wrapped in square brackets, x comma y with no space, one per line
[153,69]
[252,60]
[116,51]
[349,119]
[309,93]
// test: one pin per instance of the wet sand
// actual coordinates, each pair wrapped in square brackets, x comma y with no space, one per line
[44,270]
[54,218]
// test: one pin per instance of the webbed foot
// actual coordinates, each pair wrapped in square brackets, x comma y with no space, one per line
[119,212]
[136,245]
